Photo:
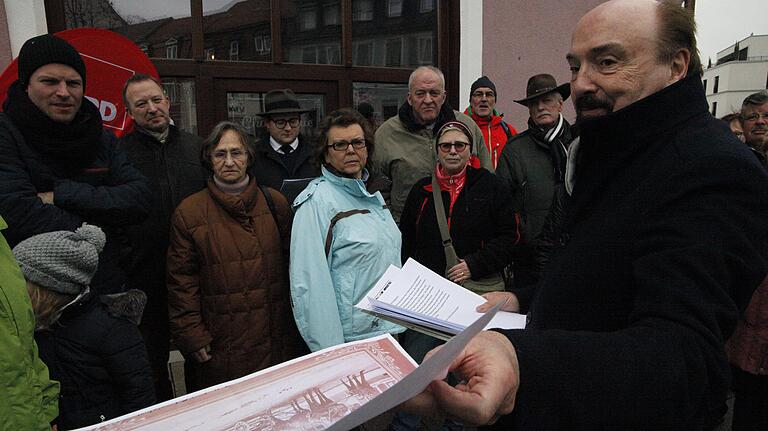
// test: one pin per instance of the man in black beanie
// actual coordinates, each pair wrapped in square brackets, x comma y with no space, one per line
[482,109]
[58,166]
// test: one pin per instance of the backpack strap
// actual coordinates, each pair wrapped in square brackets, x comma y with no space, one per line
[506,129]
[270,204]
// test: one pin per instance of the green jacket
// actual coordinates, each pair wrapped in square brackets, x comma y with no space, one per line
[29,399]
[405,156]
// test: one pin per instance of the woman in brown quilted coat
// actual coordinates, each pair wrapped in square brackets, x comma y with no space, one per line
[228,293]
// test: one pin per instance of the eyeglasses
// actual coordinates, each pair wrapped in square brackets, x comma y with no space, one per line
[294,122]
[220,156]
[458,145]
[480,94]
[755,115]
[357,144]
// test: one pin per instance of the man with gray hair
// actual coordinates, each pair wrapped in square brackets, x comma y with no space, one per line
[754,120]
[662,240]
[405,144]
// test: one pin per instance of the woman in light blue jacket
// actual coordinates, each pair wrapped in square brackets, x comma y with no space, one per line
[343,239]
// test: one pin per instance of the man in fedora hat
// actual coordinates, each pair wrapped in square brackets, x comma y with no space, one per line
[170,159]
[532,163]
[283,153]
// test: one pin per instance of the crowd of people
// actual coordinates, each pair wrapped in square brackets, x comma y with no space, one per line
[634,239]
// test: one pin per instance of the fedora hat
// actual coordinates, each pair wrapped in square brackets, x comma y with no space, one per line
[539,85]
[281,102]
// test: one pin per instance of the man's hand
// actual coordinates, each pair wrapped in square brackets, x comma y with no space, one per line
[202,355]
[490,373]
[508,299]
[459,273]
[46,197]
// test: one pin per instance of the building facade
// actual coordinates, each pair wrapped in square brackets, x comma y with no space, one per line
[740,70]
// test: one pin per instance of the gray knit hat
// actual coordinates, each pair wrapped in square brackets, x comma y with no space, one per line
[62,261]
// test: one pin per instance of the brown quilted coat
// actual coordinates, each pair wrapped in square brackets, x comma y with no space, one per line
[227,284]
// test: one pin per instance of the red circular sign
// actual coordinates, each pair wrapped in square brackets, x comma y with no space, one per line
[110,59]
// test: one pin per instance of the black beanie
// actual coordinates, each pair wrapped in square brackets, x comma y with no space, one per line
[47,49]
[483,81]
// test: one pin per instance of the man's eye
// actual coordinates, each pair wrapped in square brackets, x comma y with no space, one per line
[607,62]
[574,69]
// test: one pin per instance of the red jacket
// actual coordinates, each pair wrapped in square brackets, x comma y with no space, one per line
[493,133]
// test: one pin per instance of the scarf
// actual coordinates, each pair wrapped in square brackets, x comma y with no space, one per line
[69,148]
[558,139]
[159,137]
[453,184]
[232,189]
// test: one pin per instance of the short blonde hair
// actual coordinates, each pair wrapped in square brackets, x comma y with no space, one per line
[47,305]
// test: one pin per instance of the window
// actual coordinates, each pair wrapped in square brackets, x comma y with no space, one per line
[309,54]
[425,50]
[333,53]
[262,44]
[331,14]
[426,6]
[307,19]
[210,53]
[717,84]
[394,52]
[714,109]
[234,50]
[171,48]
[394,8]
[705,86]
[364,53]
[362,10]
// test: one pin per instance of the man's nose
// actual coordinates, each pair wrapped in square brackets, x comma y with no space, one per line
[581,82]
[62,90]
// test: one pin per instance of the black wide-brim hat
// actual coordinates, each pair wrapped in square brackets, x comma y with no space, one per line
[281,102]
[539,85]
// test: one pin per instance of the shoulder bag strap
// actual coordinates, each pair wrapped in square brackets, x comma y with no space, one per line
[451,259]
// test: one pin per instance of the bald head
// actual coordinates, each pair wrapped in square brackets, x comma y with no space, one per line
[615,59]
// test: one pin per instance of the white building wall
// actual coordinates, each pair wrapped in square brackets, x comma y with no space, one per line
[26,19]
[758,46]
[471,51]
[738,79]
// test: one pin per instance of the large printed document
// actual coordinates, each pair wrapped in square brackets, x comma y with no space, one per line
[337,388]
[425,301]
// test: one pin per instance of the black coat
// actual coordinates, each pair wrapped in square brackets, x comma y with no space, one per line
[270,170]
[483,225]
[174,172]
[665,228]
[110,193]
[100,362]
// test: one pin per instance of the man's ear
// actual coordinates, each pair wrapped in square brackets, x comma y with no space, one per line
[679,66]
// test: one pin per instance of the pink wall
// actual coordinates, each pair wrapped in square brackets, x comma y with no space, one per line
[522,38]
[5,40]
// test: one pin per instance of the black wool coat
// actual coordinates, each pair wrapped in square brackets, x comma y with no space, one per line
[269,170]
[483,225]
[661,242]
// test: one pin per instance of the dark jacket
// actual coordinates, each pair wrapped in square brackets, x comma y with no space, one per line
[110,193]
[270,170]
[665,226]
[174,172]
[482,225]
[748,347]
[227,283]
[532,168]
[101,363]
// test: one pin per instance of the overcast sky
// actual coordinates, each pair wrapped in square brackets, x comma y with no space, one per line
[721,22]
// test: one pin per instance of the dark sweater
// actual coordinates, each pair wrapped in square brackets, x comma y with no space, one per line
[661,240]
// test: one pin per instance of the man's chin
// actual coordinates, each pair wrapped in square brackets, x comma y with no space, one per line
[589,114]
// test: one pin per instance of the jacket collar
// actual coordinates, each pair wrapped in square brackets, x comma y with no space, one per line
[352,186]
[405,113]
[303,152]
[238,206]
[494,119]
[622,131]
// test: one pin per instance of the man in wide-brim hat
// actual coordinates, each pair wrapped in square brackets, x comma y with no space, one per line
[533,163]
[282,153]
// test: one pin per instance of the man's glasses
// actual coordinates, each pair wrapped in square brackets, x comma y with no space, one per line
[294,122]
[481,94]
[754,116]
[357,144]
[220,156]
[458,145]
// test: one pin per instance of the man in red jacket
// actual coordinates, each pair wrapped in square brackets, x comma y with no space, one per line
[482,100]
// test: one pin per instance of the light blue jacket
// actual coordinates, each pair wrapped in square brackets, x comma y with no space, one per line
[324,289]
